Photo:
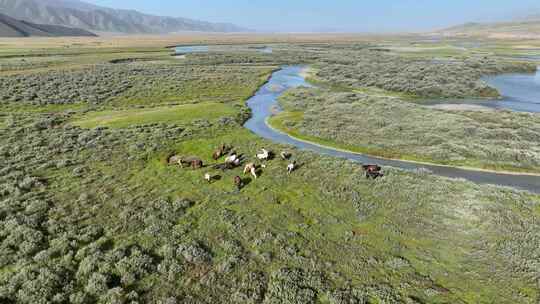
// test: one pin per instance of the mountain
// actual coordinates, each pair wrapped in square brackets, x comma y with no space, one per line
[74,13]
[528,27]
[10,27]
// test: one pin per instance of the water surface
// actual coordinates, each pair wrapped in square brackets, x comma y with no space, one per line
[188,49]
[520,92]
[264,104]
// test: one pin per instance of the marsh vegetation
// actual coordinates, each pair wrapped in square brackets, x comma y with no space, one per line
[394,128]
[91,213]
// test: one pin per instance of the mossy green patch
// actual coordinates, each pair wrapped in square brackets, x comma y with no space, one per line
[174,115]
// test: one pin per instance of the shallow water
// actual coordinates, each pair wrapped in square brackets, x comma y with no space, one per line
[264,104]
[520,92]
[188,49]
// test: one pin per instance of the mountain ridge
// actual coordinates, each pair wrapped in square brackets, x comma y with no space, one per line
[11,27]
[518,28]
[79,14]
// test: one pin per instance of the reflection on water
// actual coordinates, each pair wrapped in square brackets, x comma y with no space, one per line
[264,102]
[520,92]
[188,49]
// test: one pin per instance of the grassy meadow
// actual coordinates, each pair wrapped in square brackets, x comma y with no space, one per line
[90,212]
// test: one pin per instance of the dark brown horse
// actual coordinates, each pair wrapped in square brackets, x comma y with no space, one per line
[238,182]
[192,161]
[373,171]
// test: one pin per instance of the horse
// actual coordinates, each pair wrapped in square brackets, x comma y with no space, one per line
[174,160]
[221,151]
[285,155]
[208,177]
[265,155]
[231,159]
[252,168]
[373,171]
[238,182]
[191,161]
[217,155]
[291,167]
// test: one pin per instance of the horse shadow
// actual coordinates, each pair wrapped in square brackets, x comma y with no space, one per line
[246,181]
[215,178]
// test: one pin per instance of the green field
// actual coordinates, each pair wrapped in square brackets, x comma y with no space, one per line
[90,211]
[183,114]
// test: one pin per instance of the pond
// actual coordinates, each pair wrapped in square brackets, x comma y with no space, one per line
[264,104]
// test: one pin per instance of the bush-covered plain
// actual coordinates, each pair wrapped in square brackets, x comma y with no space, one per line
[393,128]
[137,83]
[416,77]
[94,215]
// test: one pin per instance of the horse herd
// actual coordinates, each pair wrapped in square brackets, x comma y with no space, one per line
[232,160]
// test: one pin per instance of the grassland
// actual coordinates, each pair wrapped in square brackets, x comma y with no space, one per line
[169,115]
[393,128]
[91,213]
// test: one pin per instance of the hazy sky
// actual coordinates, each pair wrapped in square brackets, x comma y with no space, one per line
[339,15]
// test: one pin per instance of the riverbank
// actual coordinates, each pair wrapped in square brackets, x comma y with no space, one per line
[279,121]
[500,141]
[289,81]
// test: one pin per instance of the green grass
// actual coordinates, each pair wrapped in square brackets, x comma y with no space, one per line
[324,218]
[182,114]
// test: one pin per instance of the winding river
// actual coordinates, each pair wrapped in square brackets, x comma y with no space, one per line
[265,104]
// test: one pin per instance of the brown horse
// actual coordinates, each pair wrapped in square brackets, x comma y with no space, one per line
[222,150]
[238,182]
[191,161]
[373,171]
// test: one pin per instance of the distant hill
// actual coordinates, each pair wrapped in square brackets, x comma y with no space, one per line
[10,27]
[74,13]
[528,27]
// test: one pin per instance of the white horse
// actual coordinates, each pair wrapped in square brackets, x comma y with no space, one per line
[264,155]
[231,159]
[207,177]
[251,168]
[291,167]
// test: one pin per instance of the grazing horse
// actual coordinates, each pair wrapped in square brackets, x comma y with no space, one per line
[231,159]
[373,171]
[174,160]
[217,155]
[238,182]
[291,167]
[221,151]
[251,168]
[285,155]
[191,161]
[265,155]
[208,177]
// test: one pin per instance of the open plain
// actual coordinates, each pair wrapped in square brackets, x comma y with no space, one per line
[91,211]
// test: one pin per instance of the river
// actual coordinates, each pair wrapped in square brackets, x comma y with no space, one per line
[265,104]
